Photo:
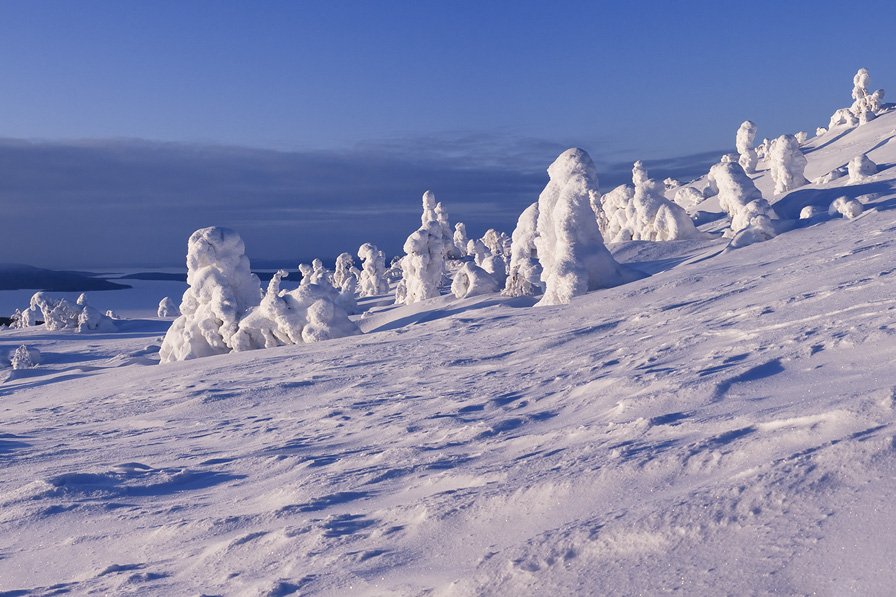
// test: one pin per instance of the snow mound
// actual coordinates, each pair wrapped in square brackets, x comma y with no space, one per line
[472,280]
[860,168]
[167,308]
[848,208]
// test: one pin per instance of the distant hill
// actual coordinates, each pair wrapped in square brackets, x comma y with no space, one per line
[17,276]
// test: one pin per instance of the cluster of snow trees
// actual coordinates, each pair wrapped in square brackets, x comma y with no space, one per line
[59,314]
[556,250]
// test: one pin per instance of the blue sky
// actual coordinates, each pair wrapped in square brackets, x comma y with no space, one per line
[290,120]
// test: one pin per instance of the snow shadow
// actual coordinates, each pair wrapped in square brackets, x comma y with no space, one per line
[10,442]
[789,207]
[772,367]
[137,480]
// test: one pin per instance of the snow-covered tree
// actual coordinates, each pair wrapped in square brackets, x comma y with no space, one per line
[57,314]
[787,164]
[460,238]
[568,242]
[167,308]
[319,273]
[865,106]
[524,273]
[642,212]
[372,281]
[671,183]
[92,320]
[221,290]
[307,271]
[496,242]
[345,266]
[477,250]
[688,197]
[860,167]
[472,280]
[744,139]
[25,357]
[451,251]
[423,264]
[801,137]
[743,202]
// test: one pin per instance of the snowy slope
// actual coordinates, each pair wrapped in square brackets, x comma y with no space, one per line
[723,426]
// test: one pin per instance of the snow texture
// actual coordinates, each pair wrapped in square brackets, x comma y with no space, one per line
[569,246]
[221,290]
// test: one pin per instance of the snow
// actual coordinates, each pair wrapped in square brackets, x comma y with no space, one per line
[723,426]
[472,280]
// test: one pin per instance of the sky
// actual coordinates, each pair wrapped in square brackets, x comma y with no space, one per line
[312,127]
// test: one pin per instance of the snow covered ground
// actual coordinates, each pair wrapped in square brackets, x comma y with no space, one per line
[724,426]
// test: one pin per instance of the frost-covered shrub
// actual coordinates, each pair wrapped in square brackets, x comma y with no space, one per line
[860,168]
[460,238]
[740,198]
[423,264]
[842,117]
[688,197]
[319,273]
[671,183]
[848,208]
[568,242]
[221,290]
[787,164]
[167,308]
[57,314]
[643,213]
[763,149]
[25,357]
[801,137]
[746,135]
[472,280]
[497,243]
[820,131]
[91,320]
[524,273]
[372,281]
[309,313]
[306,270]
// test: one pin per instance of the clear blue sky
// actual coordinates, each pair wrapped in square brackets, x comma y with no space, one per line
[477,81]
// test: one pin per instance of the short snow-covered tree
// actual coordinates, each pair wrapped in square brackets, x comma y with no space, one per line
[642,212]
[24,357]
[477,250]
[345,266]
[423,264]
[306,270]
[57,314]
[91,319]
[688,198]
[524,272]
[319,273]
[568,242]
[372,281]
[801,137]
[743,202]
[221,290]
[167,308]
[865,106]
[860,167]
[744,139]
[787,164]
[460,238]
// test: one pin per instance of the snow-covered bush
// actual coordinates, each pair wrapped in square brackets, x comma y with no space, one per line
[25,357]
[763,149]
[642,212]
[787,164]
[477,250]
[740,198]
[820,131]
[497,243]
[497,267]
[306,270]
[57,314]
[319,273]
[90,319]
[865,106]
[472,280]
[848,208]
[801,137]
[167,308]
[309,313]
[809,212]
[671,183]
[746,135]
[423,264]
[451,252]
[372,281]
[524,273]
[688,197]
[345,271]
[860,168]
[568,242]
[460,238]
[221,290]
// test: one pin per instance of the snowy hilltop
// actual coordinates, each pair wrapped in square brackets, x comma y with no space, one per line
[659,387]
